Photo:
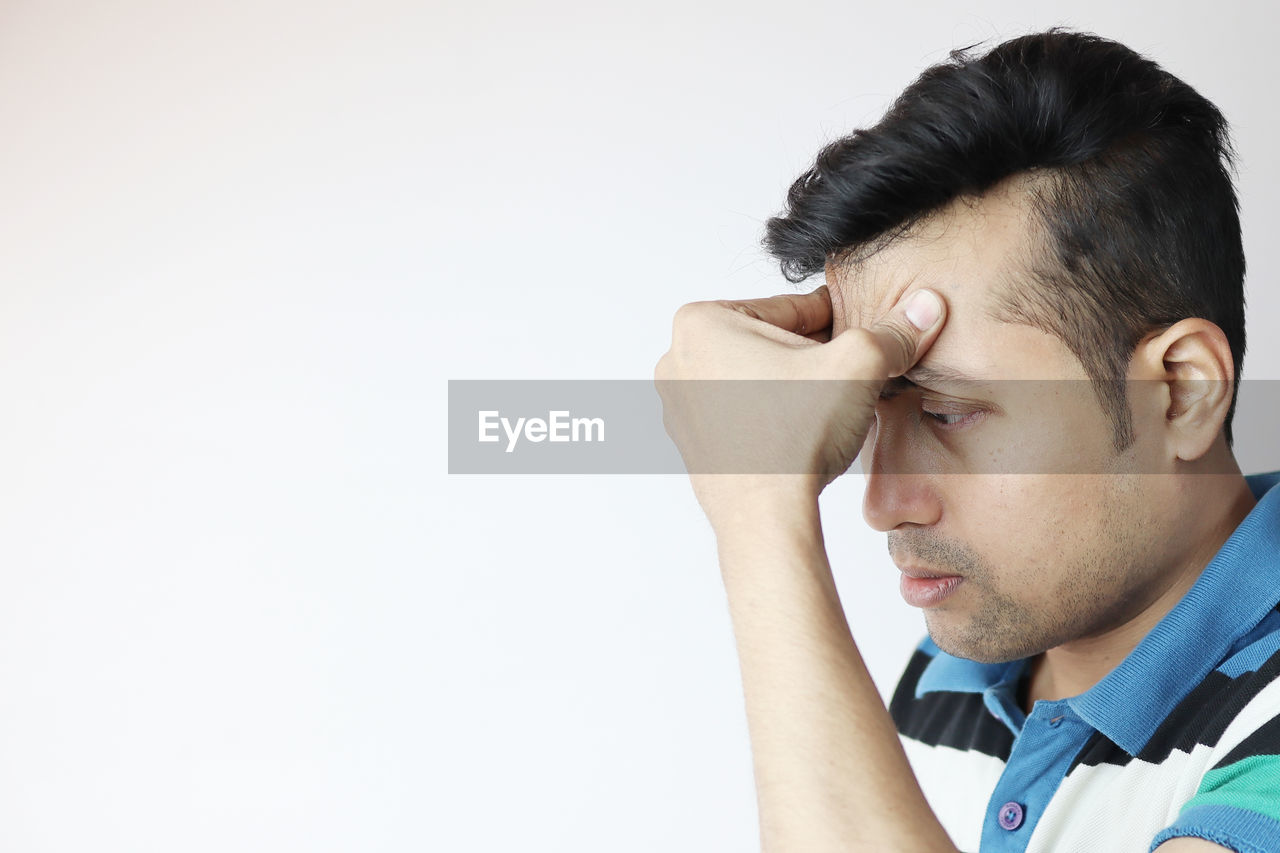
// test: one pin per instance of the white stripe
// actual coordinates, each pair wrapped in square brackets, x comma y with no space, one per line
[958,785]
[1109,808]
[1261,710]
[1102,809]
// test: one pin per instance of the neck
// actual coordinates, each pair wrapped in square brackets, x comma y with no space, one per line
[1074,667]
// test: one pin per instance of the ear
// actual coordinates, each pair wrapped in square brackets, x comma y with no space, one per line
[1192,364]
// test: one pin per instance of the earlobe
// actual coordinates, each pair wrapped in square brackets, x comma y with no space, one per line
[1197,368]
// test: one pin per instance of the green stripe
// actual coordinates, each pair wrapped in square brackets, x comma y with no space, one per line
[1251,783]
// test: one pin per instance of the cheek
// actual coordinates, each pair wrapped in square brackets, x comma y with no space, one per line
[1068,430]
[1043,523]
[1035,442]
[1014,521]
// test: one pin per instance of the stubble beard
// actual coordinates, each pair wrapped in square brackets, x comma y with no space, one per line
[981,623]
[1089,595]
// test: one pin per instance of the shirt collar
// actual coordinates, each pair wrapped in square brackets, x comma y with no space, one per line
[950,674]
[1178,653]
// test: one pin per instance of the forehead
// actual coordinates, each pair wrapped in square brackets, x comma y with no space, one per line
[970,251]
[975,251]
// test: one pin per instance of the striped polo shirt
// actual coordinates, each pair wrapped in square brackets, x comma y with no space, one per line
[1181,739]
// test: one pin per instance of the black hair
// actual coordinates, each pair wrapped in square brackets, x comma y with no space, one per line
[1137,206]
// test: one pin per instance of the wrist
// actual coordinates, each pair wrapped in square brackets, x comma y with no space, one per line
[765,507]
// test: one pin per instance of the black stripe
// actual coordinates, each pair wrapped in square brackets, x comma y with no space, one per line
[1200,718]
[1099,749]
[1264,741]
[958,720]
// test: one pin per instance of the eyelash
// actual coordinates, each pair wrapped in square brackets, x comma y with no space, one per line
[943,419]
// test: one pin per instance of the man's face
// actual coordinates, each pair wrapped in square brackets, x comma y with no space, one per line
[967,477]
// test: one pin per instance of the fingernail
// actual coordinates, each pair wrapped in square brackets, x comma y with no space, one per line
[923,309]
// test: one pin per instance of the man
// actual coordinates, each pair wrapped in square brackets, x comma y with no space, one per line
[1031,330]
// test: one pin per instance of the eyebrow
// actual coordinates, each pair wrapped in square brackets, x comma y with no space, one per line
[926,375]
[938,378]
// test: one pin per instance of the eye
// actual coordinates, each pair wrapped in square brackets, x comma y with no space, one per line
[951,420]
[945,415]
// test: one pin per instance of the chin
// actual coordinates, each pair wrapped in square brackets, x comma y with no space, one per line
[979,648]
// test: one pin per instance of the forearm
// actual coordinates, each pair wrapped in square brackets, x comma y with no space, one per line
[830,771]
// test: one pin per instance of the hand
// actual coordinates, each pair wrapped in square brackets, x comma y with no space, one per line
[804,418]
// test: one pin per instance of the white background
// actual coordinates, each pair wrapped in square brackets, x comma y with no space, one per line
[242,248]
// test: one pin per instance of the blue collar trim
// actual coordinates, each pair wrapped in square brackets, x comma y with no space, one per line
[950,674]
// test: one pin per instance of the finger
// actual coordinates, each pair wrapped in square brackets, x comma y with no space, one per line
[821,336]
[909,329]
[801,313]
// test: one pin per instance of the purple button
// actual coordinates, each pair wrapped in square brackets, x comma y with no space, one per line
[1010,816]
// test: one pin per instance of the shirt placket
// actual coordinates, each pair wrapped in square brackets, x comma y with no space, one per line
[1050,738]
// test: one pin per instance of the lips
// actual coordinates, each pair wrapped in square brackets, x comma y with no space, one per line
[928,591]
[925,587]
[914,572]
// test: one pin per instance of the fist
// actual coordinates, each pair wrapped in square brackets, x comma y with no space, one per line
[761,400]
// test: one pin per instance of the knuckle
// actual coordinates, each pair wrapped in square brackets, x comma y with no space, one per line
[742,308]
[693,312]
[861,338]
[877,351]
[864,346]
[662,368]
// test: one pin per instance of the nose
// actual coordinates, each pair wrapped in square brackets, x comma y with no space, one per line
[898,491]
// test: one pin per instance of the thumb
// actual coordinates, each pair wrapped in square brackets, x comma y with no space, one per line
[909,329]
